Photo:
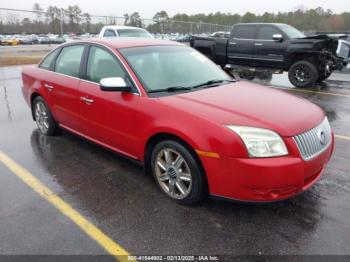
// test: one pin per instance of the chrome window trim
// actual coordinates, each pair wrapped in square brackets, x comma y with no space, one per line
[255,39]
[139,93]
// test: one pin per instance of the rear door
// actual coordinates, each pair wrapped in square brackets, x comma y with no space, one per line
[107,117]
[240,48]
[63,84]
[270,53]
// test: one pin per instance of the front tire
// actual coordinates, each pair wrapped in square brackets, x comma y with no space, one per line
[43,117]
[177,173]
[303,74]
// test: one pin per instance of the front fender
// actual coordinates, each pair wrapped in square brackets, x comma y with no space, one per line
[199,133]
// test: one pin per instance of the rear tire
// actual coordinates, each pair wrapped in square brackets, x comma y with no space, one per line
[303,73]
[177,173]
[43,117]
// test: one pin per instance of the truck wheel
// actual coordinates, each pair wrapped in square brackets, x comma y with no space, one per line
[303,73]
[323,76]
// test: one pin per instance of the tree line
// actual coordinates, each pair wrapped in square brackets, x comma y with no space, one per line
[72,19]
[317,19]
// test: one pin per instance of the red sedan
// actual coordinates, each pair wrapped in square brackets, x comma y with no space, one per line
[194,128]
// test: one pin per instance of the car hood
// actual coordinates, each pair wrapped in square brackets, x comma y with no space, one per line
[249,104]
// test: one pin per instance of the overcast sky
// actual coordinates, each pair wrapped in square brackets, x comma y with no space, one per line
[148,8]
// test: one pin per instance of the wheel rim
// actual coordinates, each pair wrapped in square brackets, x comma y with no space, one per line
[302,74]
[173,173]
[41,117]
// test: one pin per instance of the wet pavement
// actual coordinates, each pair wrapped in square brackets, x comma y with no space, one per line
[115,195]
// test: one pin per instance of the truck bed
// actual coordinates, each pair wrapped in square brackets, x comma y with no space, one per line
[213,47]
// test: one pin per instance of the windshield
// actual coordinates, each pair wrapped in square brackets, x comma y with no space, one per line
[291,32]
[161,67]
[133,33]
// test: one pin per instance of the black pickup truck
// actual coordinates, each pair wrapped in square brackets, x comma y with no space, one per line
[274,48]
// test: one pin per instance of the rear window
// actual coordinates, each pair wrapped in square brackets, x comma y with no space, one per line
[245,32]
[133,33]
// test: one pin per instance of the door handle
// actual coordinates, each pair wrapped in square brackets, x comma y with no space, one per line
[232,43]
[258,44]
[87,101]
[48,87]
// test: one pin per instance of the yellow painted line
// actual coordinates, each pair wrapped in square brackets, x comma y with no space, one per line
[207,154]
[90,229]
[315,92]
[342,137]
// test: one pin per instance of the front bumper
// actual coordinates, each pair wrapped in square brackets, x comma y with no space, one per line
[264,180]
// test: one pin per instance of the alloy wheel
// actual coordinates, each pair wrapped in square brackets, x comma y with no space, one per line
[173,173]
[41,117]
[302,73]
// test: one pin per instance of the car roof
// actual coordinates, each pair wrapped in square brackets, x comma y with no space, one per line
[118,43]
[115,27]
[276,24]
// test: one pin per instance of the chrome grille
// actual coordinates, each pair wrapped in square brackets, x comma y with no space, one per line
[314,141]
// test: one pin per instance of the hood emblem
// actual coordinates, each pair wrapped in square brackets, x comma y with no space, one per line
[321,137]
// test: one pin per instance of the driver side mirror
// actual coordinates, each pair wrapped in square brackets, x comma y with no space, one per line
[277,37]
[114,84]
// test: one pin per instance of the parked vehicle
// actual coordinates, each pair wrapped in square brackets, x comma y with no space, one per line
[123,31]
[57,39]
[221,34]
[44,39]
[276,48]
[19,38]
[30,40]
[193,127]
[183,38]
[9,40]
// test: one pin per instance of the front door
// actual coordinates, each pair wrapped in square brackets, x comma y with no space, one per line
[107,117]
[240,47]
[270,53]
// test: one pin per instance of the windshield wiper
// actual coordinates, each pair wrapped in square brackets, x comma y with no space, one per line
[170,89]
[180,88]
[213,82]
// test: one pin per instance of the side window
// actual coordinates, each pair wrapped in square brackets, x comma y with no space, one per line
[245,32]
[109,33]
[47,62]
[102,64]
[266,32]
[68,62]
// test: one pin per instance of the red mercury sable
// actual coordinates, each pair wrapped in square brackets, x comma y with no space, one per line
[194,128]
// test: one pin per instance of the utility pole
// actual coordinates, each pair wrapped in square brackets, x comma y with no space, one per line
[62,21]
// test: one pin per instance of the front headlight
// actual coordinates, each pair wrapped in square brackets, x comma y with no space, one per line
[260,142]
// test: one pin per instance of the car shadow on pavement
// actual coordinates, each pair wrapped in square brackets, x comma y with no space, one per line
[114,191]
